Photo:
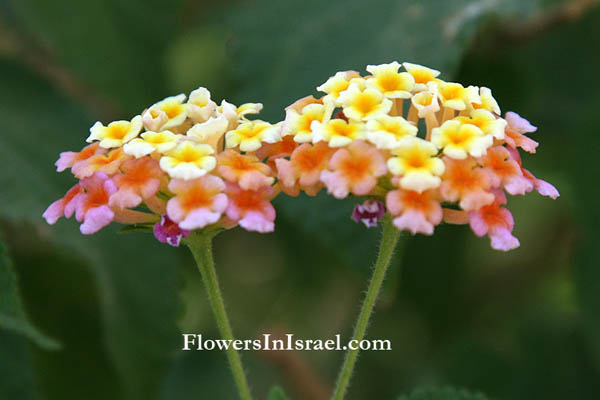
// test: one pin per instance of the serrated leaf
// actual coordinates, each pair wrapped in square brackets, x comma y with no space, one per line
[12,312]
[277,393]
[446,393]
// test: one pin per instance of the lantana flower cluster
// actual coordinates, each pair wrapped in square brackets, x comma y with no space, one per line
[425,150]
[183,164]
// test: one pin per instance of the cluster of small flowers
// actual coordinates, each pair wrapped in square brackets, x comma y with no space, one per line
[198,164]
[169,166]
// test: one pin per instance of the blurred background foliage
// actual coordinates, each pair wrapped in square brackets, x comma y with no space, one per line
[99,317]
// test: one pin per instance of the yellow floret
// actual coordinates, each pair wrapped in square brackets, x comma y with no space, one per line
[151,142]
[422,75]
[338,132]
[390,82]
[188,160]
[487,122]
[388,132]
[337,84]
[116,134]
[250,135]
[199,106]
[416,162]
[456,96]
[363,104]
[299,123]
[459,140]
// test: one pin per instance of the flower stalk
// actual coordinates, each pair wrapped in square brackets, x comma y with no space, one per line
[389,240]
[200,244]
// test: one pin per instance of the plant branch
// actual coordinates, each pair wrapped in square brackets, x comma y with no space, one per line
[389,239]
[200,244]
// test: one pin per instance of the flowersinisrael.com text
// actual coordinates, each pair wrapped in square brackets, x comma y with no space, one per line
[192,341]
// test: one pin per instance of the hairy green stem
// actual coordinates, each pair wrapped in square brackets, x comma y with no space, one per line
[389,239]
[200,244]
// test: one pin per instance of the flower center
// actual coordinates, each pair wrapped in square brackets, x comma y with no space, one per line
[305,123]
[416,160]
[460,136]
[253,132]
[421,76]
[425,99]
[172,110]
[356,168]
[190,155]
[196,198]
[451,92]
[118,131]
[389,82]
[416,201]
[366,103]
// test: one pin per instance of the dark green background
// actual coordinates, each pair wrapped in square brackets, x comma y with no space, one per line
[518,325]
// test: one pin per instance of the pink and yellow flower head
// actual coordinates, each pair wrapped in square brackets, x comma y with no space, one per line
[443,155]
[171,162]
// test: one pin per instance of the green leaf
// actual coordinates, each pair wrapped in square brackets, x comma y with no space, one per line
[445,393]
[12,312]
[308,42]
[113,47]
[16,376]
[135,275]
[277,393]
[37,125]
[351,243]
[62,295]
[138,284]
